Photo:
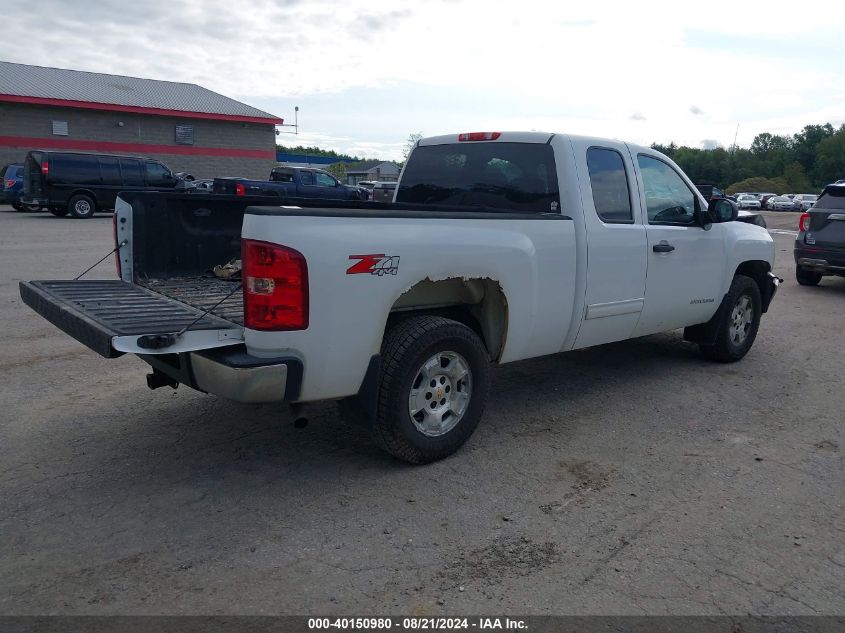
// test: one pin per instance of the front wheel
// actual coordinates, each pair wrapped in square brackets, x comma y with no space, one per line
[81,207]
[807,277]
[740,322]
[434,381]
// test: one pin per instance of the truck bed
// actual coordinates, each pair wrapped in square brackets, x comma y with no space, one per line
[203,292]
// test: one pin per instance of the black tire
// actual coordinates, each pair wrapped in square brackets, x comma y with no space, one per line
[17,206]
[807,277]
[729,347]
[81,207]
[59,212]
[406,349]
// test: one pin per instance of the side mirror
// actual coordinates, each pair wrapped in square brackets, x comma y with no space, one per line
[722,210]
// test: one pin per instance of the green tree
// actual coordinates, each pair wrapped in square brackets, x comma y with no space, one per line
[338,170]
[830,159]
[409,145]
[758,183]
[796,179]
[806,143]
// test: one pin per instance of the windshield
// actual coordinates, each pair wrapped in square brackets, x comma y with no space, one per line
[515,176]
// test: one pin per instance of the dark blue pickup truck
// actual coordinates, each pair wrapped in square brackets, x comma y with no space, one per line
[291,182]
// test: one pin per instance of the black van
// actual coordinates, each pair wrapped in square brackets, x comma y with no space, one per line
[80,184]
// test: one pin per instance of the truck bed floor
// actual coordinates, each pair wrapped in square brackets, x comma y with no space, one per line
[203,293]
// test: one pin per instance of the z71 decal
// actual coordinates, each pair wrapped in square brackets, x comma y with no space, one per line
[379,264]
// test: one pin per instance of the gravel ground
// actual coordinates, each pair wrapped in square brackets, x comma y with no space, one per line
[624,479]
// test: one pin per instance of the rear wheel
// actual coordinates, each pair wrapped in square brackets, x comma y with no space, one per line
[807,277]
[740,322]
[59,212]
[81,207]
[434,382]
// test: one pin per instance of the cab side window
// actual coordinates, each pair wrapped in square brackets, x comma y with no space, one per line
[132,174]
[158,175]
[609,183]
[668,198]
[324,180]
[307,178]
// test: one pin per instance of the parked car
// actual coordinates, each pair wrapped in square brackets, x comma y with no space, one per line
[820,245]
[12,186]
[398,309]
[291,182]
[764,199]
[747,201]
[383,191]
[804,201]
[780,203]
[366,186]
[710,191]
[82,184]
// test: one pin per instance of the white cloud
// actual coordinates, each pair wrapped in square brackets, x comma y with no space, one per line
[445,66]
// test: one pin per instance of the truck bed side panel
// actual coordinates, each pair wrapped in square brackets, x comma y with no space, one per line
[532,258]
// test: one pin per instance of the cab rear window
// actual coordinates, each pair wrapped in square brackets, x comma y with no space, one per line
[518,177]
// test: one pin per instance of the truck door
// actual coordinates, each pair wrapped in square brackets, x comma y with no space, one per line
[616,242]
[327,186]
[686,263]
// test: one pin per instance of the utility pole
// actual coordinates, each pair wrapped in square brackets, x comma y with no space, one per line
[295,125]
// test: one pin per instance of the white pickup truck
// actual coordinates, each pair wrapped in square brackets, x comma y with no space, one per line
[498,247]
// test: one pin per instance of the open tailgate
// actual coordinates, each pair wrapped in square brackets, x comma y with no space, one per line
[110,316]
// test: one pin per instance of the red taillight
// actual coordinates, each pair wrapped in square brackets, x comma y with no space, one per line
[45,168]
[9,184]
[275,282]
[479,136]
[804,222]
[240,190]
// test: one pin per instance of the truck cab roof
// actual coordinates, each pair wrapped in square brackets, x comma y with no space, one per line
[521,137]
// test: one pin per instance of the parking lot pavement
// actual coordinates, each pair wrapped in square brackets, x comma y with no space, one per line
[624,479]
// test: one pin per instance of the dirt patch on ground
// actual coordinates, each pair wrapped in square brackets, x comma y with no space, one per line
[510,557]
[589,478]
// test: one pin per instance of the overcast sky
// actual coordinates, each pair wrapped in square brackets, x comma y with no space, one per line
[365,78]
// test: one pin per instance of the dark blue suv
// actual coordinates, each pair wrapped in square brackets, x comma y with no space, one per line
[13,187]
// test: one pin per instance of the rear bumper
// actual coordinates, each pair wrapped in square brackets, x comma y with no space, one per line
[41,202]
[231,373]
[820,260]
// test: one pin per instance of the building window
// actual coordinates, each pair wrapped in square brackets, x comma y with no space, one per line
[184,134]
[60,128]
